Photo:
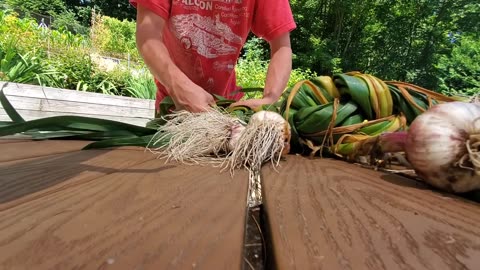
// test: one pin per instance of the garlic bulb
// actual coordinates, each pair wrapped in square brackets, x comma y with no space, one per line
[443,146]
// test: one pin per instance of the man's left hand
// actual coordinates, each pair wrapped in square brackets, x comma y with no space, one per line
[254,103]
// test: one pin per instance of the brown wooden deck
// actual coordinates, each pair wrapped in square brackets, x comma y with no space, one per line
[329,214]
[64,208]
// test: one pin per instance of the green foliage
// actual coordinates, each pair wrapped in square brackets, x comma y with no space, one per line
[142,86]
[62,39]
[119,9]
[30,54]
[22,34]
[21,59]
[113,82]
[429,43]
[255,49]
[26,68]
[251,70]
[58,58]
[44,7]
[251,73]
[83,15]
[68,21]
[467,20]
[115,38]
[26,36]
[98,84]
[460,71]
[75,64]
[397,40]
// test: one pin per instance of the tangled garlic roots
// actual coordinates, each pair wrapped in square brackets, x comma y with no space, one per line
[195,138]
[261,141]
[217,138]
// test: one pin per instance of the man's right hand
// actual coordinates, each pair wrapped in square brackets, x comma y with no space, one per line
[191,97]
[186,94]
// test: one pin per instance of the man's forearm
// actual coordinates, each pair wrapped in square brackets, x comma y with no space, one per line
[154,52]
[278,73]
[279,69]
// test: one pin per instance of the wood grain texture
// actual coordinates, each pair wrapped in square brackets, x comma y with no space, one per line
[148,216]
[33,102]
[29,149]
[76,106]
[29,179]
[50,93]
[29,114]
[328,214]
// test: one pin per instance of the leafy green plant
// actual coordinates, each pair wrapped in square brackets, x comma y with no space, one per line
[26,68]
[142,86]
[63,38]
[115,38]
[58,58]
[75,64]
[105,87]
[22,33]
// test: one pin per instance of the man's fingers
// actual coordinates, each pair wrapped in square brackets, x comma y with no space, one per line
[238,103]
[211,101]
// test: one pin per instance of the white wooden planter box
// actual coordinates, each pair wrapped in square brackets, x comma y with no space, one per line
[33,102]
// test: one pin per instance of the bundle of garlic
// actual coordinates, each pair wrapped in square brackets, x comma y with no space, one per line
[218,138]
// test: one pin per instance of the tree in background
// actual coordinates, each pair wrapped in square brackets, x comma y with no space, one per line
[44,7]
[55,13]
[403,40]
[400,40]
[120,9]
[460,71]
[74,15]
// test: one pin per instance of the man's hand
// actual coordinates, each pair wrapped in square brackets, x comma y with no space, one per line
[191,97]
[254,103]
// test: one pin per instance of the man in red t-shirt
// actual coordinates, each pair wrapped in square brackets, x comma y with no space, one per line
[191,47]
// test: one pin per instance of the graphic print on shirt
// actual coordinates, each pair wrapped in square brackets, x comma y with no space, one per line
[206,4]
[208,30]
[225,65]
[209,37]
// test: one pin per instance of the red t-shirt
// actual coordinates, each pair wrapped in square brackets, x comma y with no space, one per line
[205,37]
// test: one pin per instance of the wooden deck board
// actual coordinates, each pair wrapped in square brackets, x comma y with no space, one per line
[30,149]
[29,179]
[327,214]
[147,216]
